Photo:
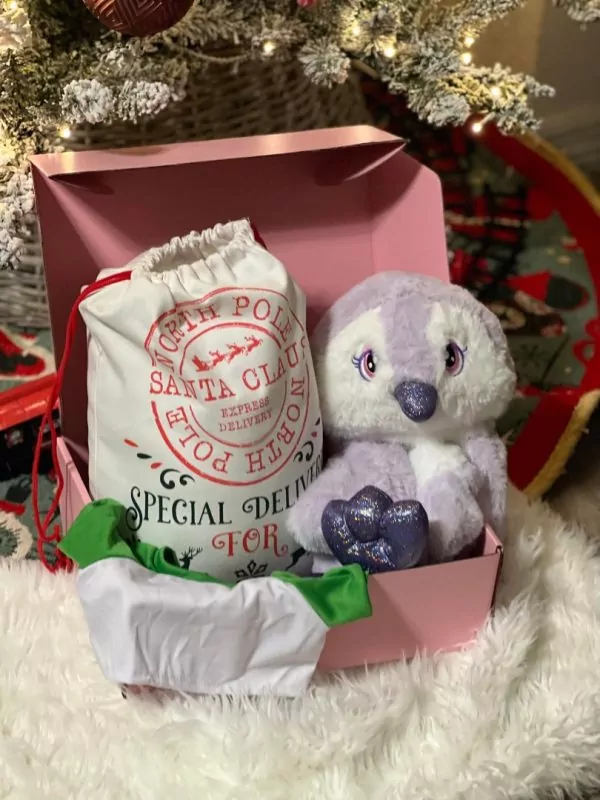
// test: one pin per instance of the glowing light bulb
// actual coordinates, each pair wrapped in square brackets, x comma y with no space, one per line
[269,48]
[466,58]
[355,30]
[390,50]
[495,91]
[469,40]
[65,132]
[477,127]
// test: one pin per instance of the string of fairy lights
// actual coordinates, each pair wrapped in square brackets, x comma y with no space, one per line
[389,49]
[14,32]
[386,48]
[422,51]
[356,34]
[467,59]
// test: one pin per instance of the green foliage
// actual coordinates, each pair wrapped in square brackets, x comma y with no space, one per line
[62,24]
[67,68]
[32,79]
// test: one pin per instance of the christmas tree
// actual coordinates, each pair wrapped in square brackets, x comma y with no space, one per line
[60,66]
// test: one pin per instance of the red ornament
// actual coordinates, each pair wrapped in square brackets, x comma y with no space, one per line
[139,17]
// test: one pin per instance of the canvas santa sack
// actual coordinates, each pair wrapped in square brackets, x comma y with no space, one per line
[203,413]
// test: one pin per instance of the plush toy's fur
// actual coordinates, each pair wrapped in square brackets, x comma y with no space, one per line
[406,421]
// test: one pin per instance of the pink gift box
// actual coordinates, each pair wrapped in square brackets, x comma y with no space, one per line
[334,206]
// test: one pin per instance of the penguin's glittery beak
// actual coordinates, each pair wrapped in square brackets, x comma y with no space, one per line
[418,400]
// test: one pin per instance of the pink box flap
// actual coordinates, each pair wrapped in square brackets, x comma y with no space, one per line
[64,164]
[334,205]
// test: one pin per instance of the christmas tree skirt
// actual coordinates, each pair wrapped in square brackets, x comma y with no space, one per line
[26,363]
[517,715]
[25,357]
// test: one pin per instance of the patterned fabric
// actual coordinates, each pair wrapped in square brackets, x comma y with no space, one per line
[25,357]
[17,528]
[514,252]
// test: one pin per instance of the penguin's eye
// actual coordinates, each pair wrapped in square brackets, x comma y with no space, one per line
[366,364]
[455,358]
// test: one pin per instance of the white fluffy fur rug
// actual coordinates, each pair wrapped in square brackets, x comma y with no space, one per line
[515,716]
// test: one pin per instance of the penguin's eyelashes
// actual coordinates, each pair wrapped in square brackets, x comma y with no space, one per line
[366,364]
[454,358]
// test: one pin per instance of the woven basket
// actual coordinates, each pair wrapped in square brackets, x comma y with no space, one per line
[260,98]
[23,300]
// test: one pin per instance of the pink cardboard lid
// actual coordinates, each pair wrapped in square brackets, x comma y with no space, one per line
[63,164]
[334,205]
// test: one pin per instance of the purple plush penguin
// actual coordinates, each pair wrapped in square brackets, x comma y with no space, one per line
[412,374]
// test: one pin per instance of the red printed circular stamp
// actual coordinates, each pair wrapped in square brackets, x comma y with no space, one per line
[230,384]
